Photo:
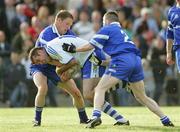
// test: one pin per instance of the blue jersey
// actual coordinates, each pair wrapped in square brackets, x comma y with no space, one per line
[113,40]
[125,57]
[173,31]
[48,34]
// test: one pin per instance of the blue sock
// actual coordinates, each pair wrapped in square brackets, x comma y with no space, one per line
[38,113]
[96,113]
[82,115]
[165,120]
[108,109]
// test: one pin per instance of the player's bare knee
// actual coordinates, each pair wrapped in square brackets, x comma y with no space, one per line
[139,97]
[42,91]
[88,97]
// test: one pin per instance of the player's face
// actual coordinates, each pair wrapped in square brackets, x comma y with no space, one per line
[41,58]
[64,25]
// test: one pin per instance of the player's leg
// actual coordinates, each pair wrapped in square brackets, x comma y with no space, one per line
[78,101]
[140,95]
[41,83]
[137,87]
[106,82]
[88,88]
[70,87]
[88,92]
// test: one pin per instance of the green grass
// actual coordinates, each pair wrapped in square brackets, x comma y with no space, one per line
[66,120]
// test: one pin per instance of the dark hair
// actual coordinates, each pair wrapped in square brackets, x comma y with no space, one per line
[63,14]
[112,16]
[33,53]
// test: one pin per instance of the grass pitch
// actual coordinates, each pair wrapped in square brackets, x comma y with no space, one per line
[66,120]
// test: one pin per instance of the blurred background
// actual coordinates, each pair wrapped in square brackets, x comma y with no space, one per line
[144,21]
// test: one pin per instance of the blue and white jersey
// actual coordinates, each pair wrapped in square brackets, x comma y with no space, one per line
[113,40]
[55,50]
[48,34]
[173,31]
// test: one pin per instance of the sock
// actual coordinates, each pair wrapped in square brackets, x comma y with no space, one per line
[108,109]
[165,120]
[38,111]
[96,113]
[82,115]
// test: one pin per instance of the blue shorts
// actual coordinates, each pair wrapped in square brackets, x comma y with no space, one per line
[91,70]
[47,70]
[177,57]
[126,67]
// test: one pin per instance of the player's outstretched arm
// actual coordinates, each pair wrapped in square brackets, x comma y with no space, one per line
[72,48]
[84,48]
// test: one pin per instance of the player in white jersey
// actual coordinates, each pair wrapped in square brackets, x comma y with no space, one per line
[42,73]
[55,51]
[55,55]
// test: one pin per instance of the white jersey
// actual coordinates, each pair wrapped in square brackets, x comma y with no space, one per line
[55,51]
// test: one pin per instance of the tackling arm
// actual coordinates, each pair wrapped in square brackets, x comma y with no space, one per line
[72,48]
[84,48]
[65,67]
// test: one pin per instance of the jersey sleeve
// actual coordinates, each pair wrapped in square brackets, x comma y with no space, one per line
[58,54]
[45,36]
[40,42]
[100,38]
[169,34]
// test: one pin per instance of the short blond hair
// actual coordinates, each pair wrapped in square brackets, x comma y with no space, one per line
[63,14]
[112,16]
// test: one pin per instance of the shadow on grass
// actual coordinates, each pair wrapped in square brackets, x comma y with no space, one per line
[105,128]
[141,128]
[157,128]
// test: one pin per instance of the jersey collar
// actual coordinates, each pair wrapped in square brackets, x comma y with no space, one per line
[55,30]
[117,23]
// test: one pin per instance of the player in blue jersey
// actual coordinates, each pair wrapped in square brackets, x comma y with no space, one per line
[173,35]
[54,52]
[125,65]
[41,73]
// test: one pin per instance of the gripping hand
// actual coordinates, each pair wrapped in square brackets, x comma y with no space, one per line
[69,47]
[95,60]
